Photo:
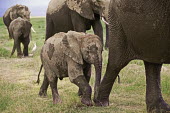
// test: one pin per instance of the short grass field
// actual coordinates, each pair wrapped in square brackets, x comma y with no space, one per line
[19,92]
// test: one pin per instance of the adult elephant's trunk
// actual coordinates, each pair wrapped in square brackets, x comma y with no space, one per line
[98,70]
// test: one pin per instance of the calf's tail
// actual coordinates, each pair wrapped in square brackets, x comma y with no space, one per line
[38,79]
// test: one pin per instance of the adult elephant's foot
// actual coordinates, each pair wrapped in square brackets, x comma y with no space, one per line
[43,93]
[103,102]
[161,107]
[86,101]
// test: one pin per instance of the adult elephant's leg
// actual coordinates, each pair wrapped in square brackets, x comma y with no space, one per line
[26,43]
[98,29]
[49,27]
[113,68]
[78,22]
[120,54]
[44,87]
[154,99]
[87,74]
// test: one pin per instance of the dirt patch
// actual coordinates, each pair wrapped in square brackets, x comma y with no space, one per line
[17,70]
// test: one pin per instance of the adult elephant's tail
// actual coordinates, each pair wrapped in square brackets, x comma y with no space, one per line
[38,79]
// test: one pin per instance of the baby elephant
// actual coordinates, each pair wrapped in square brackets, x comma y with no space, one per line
[71,55]
[19,30]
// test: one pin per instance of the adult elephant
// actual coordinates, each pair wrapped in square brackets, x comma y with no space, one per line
[139,29]
[15,12]
[77,15]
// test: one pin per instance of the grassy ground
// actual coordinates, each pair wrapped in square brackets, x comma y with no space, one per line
[19,93]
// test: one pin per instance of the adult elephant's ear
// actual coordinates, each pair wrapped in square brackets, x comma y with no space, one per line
[71,48]
[82,7]
[27,28]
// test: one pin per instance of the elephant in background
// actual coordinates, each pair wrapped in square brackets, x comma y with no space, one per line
[138,29]
[71,55]
[14,12]
[77,15]
[19,30]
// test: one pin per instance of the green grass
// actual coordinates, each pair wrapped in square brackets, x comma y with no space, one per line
[19,93]
[4,52]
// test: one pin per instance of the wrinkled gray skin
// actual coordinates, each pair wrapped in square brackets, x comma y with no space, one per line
[15,12]
[71,55]
[139,29]
[77,15]
[19,30]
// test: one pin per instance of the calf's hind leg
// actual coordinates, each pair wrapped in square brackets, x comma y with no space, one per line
[26,42]
[53,85]
[18,46]
[53,79]
[44,87]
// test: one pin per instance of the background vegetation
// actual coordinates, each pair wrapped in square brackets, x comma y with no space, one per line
[19,93]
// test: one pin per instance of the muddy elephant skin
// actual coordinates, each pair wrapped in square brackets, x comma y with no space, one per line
[139,29]
[19,30]
[14,12]
[71,55]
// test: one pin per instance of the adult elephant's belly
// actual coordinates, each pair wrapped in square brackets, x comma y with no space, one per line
[147,29]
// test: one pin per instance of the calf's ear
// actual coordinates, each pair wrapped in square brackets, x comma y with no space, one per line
[71,48]
[27,28]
